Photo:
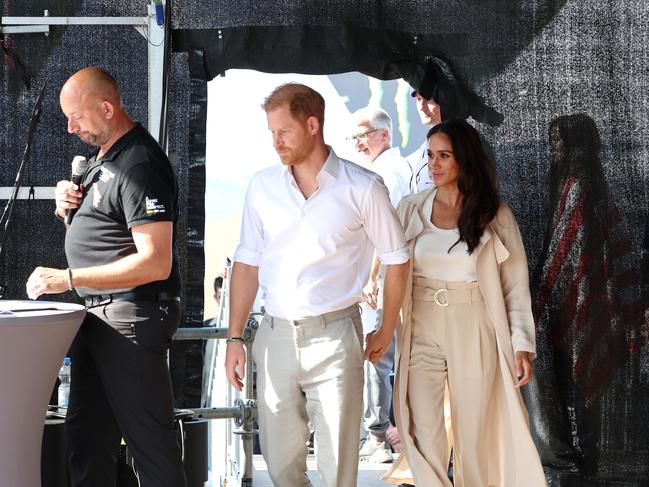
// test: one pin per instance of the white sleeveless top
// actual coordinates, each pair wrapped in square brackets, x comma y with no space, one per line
[431,258]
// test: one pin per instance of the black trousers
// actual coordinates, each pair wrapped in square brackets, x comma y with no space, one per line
[121,387]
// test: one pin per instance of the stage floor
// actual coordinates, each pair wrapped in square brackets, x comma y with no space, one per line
[368,473]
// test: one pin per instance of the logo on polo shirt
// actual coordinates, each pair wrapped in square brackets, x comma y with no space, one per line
[96,195]
[152,206]
[105,175]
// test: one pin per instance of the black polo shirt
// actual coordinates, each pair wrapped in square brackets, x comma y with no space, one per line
[132,184]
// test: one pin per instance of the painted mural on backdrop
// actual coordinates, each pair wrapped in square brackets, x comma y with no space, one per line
[591,324]
[358,91]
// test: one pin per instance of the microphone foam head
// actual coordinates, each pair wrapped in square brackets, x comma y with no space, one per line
[79,164]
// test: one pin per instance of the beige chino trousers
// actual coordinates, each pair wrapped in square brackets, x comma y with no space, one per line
[453,340]
[310,371]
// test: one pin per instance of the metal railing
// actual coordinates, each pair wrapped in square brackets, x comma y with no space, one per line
[239,441]
[244,409]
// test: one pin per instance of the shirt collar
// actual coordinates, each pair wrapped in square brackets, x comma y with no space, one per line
[124,141]
[328,172]
[387,154]
[330,169]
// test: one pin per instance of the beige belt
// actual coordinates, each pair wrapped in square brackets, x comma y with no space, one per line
[322,319]
[443,293]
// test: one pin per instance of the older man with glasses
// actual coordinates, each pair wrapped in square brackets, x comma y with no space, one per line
[372,136]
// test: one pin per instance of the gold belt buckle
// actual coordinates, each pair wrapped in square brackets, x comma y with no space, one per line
[436,298]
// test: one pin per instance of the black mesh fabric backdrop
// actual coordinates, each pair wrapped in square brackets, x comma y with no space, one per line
[570,79]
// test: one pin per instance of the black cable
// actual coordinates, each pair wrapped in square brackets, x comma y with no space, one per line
[5,220]
[163,134]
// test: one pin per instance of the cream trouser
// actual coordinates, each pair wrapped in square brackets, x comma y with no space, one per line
[452,340]
[310,372]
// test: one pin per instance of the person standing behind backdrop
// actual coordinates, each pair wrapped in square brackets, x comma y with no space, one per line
[430,115]
[372,136]
[467,319]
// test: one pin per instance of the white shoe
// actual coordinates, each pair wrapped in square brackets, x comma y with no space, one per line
[375,451]
[381,456]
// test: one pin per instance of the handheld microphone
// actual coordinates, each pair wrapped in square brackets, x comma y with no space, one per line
[79,164]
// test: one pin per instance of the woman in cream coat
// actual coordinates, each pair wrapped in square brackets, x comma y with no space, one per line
[466,323]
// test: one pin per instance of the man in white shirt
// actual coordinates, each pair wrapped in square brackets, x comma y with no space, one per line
[372,135]
[309,227]
[430,115]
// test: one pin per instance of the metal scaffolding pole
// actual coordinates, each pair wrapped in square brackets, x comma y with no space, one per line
[244,410]
[148,26]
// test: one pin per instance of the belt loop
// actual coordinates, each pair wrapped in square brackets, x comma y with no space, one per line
[272,322]
[323,321]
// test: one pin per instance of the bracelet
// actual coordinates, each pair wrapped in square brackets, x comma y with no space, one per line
[70,288]
[235,340]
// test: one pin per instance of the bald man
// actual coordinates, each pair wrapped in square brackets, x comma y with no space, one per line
[122,261]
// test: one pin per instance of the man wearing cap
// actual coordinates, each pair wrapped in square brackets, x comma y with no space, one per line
[372,134]
[430,115]
[308,231]
[121,253]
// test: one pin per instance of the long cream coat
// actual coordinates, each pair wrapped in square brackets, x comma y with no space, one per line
[501,269]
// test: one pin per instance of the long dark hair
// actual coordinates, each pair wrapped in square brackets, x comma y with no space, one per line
[476,180]
[575,147]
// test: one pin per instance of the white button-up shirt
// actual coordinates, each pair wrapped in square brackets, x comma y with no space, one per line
[396,173]
[314,255]
[421,179]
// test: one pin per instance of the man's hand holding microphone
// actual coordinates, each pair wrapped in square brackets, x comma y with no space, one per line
[68,194]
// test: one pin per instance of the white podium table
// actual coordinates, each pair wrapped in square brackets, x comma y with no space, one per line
[34,337]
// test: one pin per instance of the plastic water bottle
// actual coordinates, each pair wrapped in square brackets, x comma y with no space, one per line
[64,386]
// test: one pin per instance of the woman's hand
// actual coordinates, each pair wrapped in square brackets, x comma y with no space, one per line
[524,367]
[371,293]
[376,344]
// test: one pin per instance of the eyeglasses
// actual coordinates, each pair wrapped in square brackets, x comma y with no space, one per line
[362,137]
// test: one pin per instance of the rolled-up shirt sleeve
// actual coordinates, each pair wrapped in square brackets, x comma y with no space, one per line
[383,227]
[251,240]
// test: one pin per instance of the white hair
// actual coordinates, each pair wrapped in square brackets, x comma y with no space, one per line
[375,117]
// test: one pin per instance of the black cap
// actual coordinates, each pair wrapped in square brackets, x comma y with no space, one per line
[414,94]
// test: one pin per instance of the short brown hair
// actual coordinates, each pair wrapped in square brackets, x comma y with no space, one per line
[303,102]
